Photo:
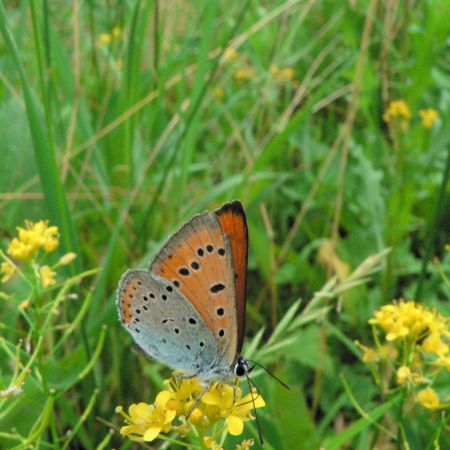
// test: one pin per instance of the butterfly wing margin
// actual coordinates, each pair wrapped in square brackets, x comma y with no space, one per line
[234,225]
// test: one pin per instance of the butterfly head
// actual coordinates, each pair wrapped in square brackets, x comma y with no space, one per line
[241,368]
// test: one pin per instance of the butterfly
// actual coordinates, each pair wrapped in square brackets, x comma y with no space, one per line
[187,310]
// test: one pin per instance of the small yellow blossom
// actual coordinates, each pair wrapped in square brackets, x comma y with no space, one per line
[7,270]
[245,444]
[428,116]
[24,305]
[116,31]
[235,409]
[67,258]
[434,344]
[230,54]
[105,38]
[145,421]
[47,276]
[398,111]
[282,74]
[244,74]
[428,398]
[403,375]
[219,92]
[211,443]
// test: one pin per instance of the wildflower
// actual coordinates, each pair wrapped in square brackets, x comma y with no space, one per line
[7,270]
[219,92]
[428,116]
[32,238]
[403,319]
[105,38]
[403,374]
[428,398]
[145,421]
[230,54]
[245,444]
[47,276]
[235,409]
[283,74]
[24,305]
[370,355]
[67,258]
[210,443]
[434,344]
[116,31]
[245,74]
[398,111]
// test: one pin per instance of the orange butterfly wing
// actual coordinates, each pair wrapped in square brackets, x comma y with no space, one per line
[234,224]
[198,260]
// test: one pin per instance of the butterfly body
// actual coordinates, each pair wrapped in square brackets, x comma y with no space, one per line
[187,310]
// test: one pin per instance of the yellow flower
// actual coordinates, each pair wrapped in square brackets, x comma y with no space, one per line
[232,407]
[147,421]
[283,74]
[67,258]
[245,74]
[230,54]
[47,276]
[24,304]
[7,270]
[245,444]
[184,391]
[428,398]
[105,38]
[428,116]
[116,31]
[434,344]
[32,238]
[210,443]
[219,92]
[403,319]
[398,111]
[403,375]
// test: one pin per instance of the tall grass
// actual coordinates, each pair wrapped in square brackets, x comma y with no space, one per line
[120,120]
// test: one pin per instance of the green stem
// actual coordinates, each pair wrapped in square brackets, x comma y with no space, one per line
[432,229]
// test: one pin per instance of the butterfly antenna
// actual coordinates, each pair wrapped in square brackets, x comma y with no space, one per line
[270,373]
[261,439]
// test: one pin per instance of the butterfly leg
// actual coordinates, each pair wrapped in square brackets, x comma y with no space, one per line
[204,391]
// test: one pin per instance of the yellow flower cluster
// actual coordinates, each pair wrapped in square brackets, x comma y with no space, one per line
[398,112]
[428,116]
[31,239]
[181,402]
[282,74]
[106,38]
[417,346]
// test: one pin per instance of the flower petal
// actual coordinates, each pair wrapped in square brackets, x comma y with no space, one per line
[151,434]
[235,425]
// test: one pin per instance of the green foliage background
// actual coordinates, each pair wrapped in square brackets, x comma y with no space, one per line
[118,143]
